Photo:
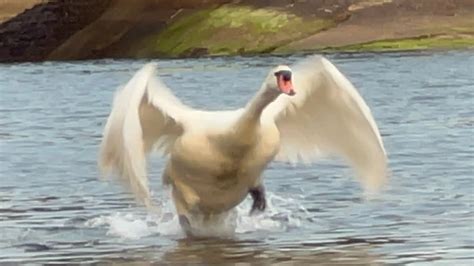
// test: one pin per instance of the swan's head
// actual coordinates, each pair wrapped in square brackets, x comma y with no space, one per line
[280,78]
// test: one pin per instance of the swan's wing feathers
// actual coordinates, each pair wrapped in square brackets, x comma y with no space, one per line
[327,116]
[162,116]
[145,114]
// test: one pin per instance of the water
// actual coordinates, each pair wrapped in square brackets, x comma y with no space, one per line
[53,207]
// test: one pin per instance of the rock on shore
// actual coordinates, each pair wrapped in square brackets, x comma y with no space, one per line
[90,29]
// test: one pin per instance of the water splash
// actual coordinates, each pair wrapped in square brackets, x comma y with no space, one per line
[282,213]
[125,225]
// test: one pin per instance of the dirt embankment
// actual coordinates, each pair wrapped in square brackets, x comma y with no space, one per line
[165,28]
[42,26]
[398,25]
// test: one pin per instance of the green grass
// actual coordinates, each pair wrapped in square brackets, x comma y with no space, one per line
[411,44]
[229,29]
[236,29]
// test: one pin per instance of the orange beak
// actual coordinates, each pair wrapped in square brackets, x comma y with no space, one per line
[285,85]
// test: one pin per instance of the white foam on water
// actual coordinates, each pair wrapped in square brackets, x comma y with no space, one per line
[281,214]
[123,225]
[134,225]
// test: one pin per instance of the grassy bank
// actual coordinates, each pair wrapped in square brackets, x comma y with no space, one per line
[154,29]
[228,29]
[233,29]
[442,42]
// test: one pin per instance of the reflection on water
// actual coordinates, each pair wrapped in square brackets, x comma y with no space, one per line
[231,251]
[53,207]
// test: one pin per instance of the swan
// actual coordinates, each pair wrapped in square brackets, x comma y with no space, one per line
[216,158]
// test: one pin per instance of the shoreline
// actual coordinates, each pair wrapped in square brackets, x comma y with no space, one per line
[158,29]
[338,53]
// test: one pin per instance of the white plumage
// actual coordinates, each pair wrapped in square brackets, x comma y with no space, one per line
[328,117]
[214,158]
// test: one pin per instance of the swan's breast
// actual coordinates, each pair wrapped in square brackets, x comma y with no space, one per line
[262,153]
[269,141]
[219,170]
[205,157]
[209,171]
[194,152]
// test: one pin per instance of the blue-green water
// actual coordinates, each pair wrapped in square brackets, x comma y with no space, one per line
[54,208]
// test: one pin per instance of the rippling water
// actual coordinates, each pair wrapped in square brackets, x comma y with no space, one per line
[53,207]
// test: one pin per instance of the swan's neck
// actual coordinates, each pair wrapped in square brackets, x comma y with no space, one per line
[251,117]
[263,98]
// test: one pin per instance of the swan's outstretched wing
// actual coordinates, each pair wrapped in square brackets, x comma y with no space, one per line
[327,116]
[145,115]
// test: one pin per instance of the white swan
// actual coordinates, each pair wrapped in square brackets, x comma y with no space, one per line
[216,158]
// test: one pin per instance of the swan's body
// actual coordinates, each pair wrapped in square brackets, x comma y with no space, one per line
[215,158]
